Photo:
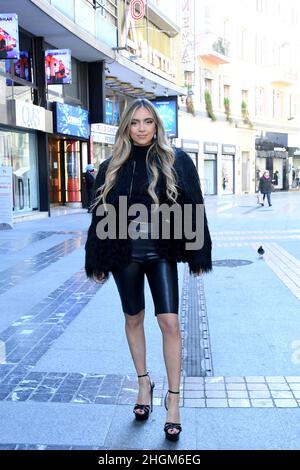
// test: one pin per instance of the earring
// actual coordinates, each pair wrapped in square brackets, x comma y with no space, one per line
[155,136]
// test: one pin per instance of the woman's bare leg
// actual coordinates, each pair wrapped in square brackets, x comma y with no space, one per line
[172,350]
[135,333]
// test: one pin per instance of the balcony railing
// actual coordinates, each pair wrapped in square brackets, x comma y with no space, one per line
[221,46]
[213,47]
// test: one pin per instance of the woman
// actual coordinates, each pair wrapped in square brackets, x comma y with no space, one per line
[147,172]
[265,187]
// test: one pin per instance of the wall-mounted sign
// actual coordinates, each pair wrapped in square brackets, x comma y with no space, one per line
[30,116]
[20,68]
[6,197]
[210,147]
[167,109]
[137,9]
[9,36]
[103,133]
[71,120]
[228,149]
[58,66]
[188,35]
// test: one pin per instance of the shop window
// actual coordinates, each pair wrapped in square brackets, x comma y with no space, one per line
[18,149]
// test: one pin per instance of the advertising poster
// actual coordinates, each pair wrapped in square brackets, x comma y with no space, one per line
[9,36]
[21,67]
[6,197]
[168,112]
[58,66]
[71,120]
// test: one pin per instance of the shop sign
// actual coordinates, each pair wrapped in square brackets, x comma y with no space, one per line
[137,9]
[30,116]
[103,133]
[188,35]
[210,147]
[6,197]
[228,149]
[134,38]
[71,120]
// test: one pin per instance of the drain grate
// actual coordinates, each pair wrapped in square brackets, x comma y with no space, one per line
[231,263]
[194,328]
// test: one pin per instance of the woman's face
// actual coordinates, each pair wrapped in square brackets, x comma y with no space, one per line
[142,127]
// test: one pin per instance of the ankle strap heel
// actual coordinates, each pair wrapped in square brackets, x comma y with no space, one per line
[169,391]
[146,409]
[170,427]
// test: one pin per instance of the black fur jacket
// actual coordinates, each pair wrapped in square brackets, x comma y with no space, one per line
[103,256]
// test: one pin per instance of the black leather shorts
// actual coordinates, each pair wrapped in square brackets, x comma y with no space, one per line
[161,274]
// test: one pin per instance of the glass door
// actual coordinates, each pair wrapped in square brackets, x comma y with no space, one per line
[72,171]
[55,171]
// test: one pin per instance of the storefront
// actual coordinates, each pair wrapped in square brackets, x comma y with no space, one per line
[18,149]
[210,168]
[228,167]
[276,162]
[102,141]
[191,147]
[68,154]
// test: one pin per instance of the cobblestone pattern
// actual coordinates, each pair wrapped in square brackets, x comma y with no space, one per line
[29,266]
[196,357]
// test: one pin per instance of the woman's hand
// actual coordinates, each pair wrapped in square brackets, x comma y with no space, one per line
[198,273]
[99,279]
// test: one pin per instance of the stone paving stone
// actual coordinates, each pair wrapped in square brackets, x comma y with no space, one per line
[293,379]
[257,386]
[279,394]
[279,386]
[272,379]
[235,379]
[294,386]
[194,380]
[216,403]
[255,379]
[262,403]
[237,393]
[235,386]
[215,394]
[239,403]
[259,394]
[282,403]
[194,394]
[194,403]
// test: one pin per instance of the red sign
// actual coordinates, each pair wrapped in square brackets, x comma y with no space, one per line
[137,9]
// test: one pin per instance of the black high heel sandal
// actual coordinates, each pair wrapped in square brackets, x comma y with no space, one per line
[145,408]
[170,426]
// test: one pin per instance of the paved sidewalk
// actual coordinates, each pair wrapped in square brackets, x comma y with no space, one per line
[66,377]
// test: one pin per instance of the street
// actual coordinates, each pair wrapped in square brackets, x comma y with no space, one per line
[67,379]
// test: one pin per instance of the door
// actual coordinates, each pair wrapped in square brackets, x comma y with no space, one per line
[209,181]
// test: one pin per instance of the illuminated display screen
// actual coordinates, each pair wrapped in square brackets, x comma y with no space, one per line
[58,66]
[168,111]
[71,120]
[9,36]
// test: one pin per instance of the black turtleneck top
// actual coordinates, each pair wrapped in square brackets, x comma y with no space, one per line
[139,181]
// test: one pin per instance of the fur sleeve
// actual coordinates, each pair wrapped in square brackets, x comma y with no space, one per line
[192,194]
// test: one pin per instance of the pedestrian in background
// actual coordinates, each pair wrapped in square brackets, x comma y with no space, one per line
[265,187]
[90,183]
[147,170]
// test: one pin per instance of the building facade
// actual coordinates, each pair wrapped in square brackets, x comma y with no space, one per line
[242,91]
[51,129]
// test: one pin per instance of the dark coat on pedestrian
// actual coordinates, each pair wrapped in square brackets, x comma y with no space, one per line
[103,256]
[265,185]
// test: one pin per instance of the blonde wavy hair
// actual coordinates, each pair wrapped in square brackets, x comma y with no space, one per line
[159,150]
